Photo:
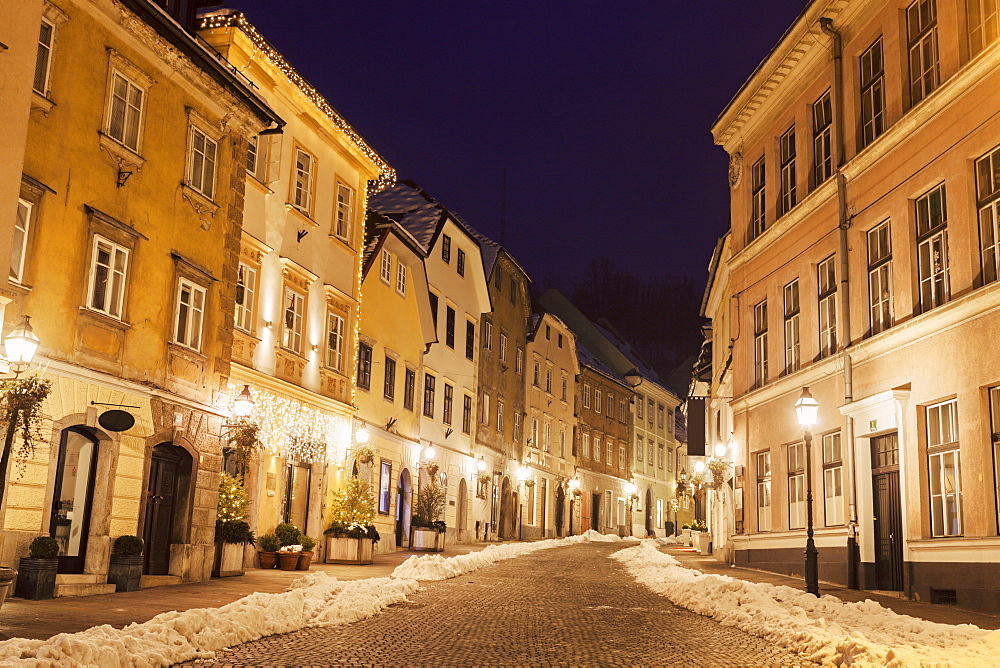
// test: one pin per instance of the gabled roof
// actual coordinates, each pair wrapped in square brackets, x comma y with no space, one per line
[594,363]
[420,214]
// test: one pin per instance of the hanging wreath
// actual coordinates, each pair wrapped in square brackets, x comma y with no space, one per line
[243,441]
[21,410]
[720,470]
[365,454]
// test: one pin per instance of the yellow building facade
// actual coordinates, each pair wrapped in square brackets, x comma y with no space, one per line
[131,194]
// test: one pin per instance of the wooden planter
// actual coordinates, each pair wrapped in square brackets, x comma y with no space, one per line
[228,560]
[344,550]
[305,560]
[288,561]
[36,579]
[427,540]
[125,572]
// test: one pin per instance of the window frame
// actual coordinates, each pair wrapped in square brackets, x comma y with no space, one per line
[191,338]
[466,413]
[871,77]
[244,315]
[833,477]
[364,367]
[980,27]
[822,136]
[460,262]
[758,198]
[932,236]
[449,403]
[446,249]
[130,84]
[922,42]
[795,458]
[292,338]
[19,249]
[826,302]
[389,380]
[201,179]
[786,171]
[430,381]
[793,341]
[762,461]
[760,363]
[343,217]
[118,312]
[409,387]
[385,266]
[470,340]
[46,78]
[880,297]
[301,196]
[937,451]
[988,214]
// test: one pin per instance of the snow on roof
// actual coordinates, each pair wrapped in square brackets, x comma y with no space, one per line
[591,360]
[416,211]
[621,344]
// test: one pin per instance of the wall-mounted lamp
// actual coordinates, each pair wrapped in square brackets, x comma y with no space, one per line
[243,403]
[720,450]
[481,465]
[361,435]
[429,452]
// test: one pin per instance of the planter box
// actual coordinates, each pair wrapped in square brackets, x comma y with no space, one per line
[228,560]
[686,536]
[702,541]
[7,576]
[36,579]
[427,540]
[350,550]
[125,572]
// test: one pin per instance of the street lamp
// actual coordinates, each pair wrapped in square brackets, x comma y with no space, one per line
[806,408]
[630,490]
[20,346]
[243,403]
[574,491]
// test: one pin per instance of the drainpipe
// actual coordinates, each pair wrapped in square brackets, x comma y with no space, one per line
[843,225]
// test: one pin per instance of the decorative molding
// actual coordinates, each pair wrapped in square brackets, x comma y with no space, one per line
[296,274]
[337,299]
[253,249]
[97,215]
[188,266]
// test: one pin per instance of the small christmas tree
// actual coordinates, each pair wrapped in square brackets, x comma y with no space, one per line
[353,511]
[430,503]
[230,524]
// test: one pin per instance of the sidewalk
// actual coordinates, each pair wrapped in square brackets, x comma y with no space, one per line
[20,618]
[944,614]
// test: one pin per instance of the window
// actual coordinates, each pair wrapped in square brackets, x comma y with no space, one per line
[484,413]
[944,468]
[536,374]
[586,395]
[621,456]
[988,198]
[758,199]
[467,414]
[793,353]
[796,487]
[760,343]
[446,249]
[449,400]
[660,422]
[108,269]
[434,309]
[652,447]
[470,339]
[548,332]
[498,277]
[364,366]
[503,347]
[983,24]
[385,269]
[487,335]
[548,381]
[560,341]
[547,438]
[201,163]
[786,186]
[449,327]
[513,291]
[597,401]
[302,181]
[585,444]
[517,427]
[384,487]
[291,326]
[190,314]
[670,459]
[43,58]
[19,244]
[597,448]
[389,385]
[932,248]
[872,93]
[253,155]
[460,263]
[334,341]
[880,278]
[429,381]
[639,401]
[833,483]
[409,388]
[342,222]
[827,289]
[639,447]
[660,452]
[921,32]
[609,405]
[125,106]
[565,389]
[763,491]
[499,416]
[246,285]
[519,361]
[651,408]
[533,441]
[822,117]
[994,397]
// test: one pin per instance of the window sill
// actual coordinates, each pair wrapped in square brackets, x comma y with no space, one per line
[182,350]
[299,213]
[14,288]
[201,204]
[289,351]
[123,155]
[104,319]
[258,184]
[341,241]
[41,103]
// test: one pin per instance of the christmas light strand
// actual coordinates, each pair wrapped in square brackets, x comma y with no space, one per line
[230,19]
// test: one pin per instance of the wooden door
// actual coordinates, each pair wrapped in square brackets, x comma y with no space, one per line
[161,501]
[888,524]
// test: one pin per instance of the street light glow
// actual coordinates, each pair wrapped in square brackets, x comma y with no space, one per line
[806,408]
[21,343]
[243,404]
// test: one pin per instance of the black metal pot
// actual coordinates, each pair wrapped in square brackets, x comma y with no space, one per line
[36,579]
[125,572]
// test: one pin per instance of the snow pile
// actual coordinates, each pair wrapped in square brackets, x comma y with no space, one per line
[826,630]
[172,637]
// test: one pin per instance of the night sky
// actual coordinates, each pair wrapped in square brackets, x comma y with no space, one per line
[598,111]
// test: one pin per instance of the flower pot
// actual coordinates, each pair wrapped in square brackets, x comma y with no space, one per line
[125,572]
[36,579]
[305,560]
[702,541]
[228,560]
[344,550]
[427,540]
[288,561]
[7,576]
[268,559]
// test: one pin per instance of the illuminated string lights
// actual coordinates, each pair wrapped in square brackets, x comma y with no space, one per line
[230,19]
[294,430]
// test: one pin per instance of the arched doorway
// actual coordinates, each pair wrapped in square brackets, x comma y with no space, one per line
[73,497]
[404,495]
[650,528]
[166,503]
[461,518]
[560,510]
[506,510]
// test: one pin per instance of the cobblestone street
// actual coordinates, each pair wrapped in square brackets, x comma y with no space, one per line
[563,606]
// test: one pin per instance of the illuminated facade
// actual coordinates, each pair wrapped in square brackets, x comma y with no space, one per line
[864,263]
[298,306]
[130,188]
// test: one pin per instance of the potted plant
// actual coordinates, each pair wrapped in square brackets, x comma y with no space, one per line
[305,557]
[36,579]
[701,539]
[352,536]
[232,532]
[7,576]
[429,531]
[288,557]
[269,545]
[125,569]
[288,534]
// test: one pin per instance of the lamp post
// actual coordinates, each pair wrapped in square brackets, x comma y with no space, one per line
[806,408]
[20,346]
[574,491]
[630,490]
